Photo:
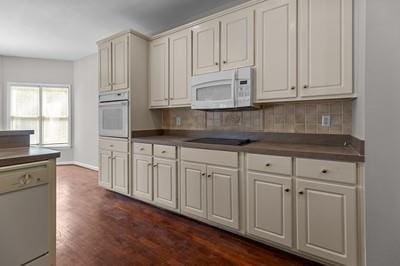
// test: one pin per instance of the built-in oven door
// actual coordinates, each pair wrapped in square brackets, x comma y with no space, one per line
[113,119]
[214,91]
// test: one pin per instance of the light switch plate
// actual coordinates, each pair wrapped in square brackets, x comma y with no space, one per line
[326,121]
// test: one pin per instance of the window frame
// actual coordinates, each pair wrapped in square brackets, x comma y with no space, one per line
[42,85]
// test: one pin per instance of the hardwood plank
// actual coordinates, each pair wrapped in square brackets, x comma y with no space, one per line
[98,227]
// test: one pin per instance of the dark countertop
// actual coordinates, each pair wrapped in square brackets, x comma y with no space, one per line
[323,152]
[15,132]
[13,156]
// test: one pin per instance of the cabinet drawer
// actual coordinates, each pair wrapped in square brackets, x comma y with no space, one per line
[113,145]
[327,170]
[165,151]
[23,176]
[223,158]
[269,164]
[143,148]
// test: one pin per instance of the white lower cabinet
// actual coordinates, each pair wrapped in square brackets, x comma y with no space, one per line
[269,207]
[194,189]
[165,182]
[142,177]
[210,192]
[105,174]
[155,178]
[120,172]
[326,221]
[223,196]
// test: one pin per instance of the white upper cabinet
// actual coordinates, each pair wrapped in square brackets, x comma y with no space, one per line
[104,65]
[276,49]
[237,39]
[325,46]
[327,221]
[159,74]
[113,58]
[120,62]
[180,66]
[206,55]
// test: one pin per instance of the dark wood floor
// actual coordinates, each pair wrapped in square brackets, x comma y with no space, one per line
[97,227]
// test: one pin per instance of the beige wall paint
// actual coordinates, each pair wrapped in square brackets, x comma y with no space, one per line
[19,69]
[85,126]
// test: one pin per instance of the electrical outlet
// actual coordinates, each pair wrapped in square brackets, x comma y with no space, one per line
[178,121]
[326,121]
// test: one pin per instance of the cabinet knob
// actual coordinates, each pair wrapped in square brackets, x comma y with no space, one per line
[268,164]
[287,190]
[111,145]
[301,192]
[305,86]
[324,171]
[216,63]
[209,176]
[149,164]
[155,165]
[225,62]
[203,174]
[142,149]
[293,88]
[163,151]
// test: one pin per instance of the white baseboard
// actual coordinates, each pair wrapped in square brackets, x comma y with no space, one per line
[84,165]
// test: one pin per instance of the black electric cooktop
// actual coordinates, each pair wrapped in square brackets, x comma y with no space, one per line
[221,141]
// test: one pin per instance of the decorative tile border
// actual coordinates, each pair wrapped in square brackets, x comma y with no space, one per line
[299,117]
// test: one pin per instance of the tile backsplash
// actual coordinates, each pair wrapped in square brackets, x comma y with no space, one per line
[298,117]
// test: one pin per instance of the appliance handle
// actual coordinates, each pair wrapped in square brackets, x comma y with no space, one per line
[124,102]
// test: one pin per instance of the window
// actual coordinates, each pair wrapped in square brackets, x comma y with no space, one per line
[43,108]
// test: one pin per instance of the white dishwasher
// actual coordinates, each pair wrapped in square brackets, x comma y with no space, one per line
[24,215]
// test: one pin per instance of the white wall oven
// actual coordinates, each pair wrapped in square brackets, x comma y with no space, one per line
[222,90]
[114,115]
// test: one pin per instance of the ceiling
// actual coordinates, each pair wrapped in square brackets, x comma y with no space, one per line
[69,29]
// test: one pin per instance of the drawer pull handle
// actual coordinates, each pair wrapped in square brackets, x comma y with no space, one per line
[324,171]
[203,174]
[287,190]
[301,192]
[155,165]
[267,164]
[209,176]
[142,149]
[149,164]
[163,152]
[111,145]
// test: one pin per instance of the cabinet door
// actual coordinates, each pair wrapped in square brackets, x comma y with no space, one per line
[120,68]
[326,221]
[223,196]
[105,169]
[269,207]
[142,177]
[120,171]
[276,24]
[237,39]
[159,74]
[180,67]
[206,48]
[193,189]
[325,40]
[165,182]
[104,66]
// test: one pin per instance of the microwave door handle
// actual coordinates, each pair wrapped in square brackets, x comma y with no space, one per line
[234,87]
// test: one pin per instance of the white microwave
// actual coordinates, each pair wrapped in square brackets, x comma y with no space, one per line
[114,115]
[223,90]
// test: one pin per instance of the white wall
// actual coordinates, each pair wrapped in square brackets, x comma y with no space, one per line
[85,111]
[383,132]
[18,69]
